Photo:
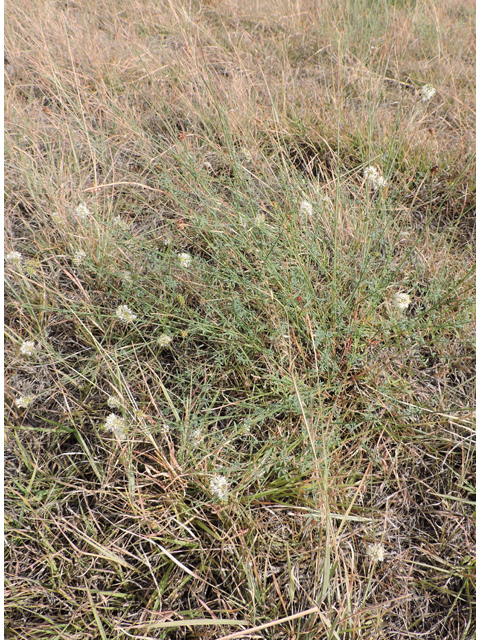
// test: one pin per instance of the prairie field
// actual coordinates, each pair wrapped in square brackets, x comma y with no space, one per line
[239,319]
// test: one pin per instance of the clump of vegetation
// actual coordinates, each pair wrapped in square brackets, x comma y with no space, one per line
[239,320]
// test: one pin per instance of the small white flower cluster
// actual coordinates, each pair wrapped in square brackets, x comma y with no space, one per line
[114,402]
[306,209]
[15,258]
[23,402]
[376,552]
[247,426]
[164,340]
[401,301]
[28,348]
[121,224]
[219,487]
[427,92]
[196,437]
[125,315]
[165,429]
[373,176]
[117,425]
[185,260]
[82,212]
[78,258]
[245,155]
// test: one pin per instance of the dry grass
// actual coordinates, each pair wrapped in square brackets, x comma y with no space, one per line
[343,426]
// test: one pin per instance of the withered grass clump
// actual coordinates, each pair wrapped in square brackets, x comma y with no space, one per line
[251,391]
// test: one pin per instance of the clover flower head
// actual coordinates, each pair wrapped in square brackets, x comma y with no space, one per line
[197,436]
[15,258]
[117,425]
[427,92]
[114,402]
[185,260]
[83,212]
[78,258]
[23,402]
[401,301]
[28,348]
[164,429]
[219,487]
[259,220]
[164,340]
[125,315]
[247,426]
[245,155]
[306,208]
[373,176]
[120,223]
[370,173]
[379,183]
[376,552]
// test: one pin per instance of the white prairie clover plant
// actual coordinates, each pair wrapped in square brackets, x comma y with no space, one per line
[305,208]
[15,258]
[124,314]
[185,260]
[164,340]
[82,212]
[117,425]
[114,402]
[376,552]
[373,177]
[28,348]
[427,92]
[401,301]
[23,402]
[219,487]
